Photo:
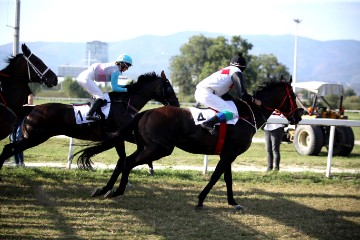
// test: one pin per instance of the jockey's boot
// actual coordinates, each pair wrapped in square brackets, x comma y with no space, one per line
[94,107]
[210,124]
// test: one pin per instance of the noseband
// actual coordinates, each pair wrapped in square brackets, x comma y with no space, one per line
[293,106]
[40,74]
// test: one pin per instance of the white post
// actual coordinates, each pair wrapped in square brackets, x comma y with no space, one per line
[206,162]
[16,28]
[297,21]
[330,153]
[70,152]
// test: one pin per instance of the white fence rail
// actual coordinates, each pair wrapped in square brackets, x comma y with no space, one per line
[324,122]
[313,121]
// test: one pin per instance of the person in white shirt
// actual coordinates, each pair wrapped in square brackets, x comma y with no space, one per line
[102,72]
[273,135]
[210,90]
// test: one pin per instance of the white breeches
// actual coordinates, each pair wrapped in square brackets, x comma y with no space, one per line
[206,97]
[91,87]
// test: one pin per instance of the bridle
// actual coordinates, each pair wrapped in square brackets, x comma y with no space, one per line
[40,74]
[293,106]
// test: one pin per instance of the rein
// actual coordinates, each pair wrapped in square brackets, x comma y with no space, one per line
[253,117]
[7,108]
[5,75]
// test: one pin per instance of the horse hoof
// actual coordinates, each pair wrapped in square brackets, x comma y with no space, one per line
[239,208]
[129,184]
[151,172]
[96,192]
[109,194]
[199,207]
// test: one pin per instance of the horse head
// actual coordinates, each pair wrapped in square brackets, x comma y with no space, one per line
[278,94]
[155,87]
[34,69]
[168,92]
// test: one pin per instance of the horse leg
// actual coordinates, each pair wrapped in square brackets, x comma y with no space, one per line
[120,149]
[16,147]
[11,149]
[219,170]
[139,157]
[151,169]
[124,179]
[229,189]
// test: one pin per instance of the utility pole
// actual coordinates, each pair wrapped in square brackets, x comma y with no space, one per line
[297,21]
[16,28]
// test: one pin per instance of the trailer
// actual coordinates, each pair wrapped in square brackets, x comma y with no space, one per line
[310,139]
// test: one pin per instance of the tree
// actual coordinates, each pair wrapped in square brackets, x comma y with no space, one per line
[72,89]
[352,102]
[349,92]
[202,56]
[268,67]
[34,87]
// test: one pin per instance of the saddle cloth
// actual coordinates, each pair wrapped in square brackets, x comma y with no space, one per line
[200,115]
[81,110]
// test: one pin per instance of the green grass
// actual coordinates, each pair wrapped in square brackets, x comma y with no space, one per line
[50,203]
[55,203]
[56,150]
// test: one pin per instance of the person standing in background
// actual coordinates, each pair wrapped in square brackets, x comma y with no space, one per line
[16,135]
[273,135]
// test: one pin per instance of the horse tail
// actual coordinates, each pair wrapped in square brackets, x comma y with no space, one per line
[84,158]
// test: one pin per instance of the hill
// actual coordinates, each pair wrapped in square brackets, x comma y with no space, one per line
[329,61]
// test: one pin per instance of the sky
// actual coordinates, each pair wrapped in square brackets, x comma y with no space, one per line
[116,20]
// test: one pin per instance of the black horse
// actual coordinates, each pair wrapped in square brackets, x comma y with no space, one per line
[159,131]
[14,89]
[52,119]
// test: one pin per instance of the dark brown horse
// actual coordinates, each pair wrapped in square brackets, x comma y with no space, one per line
[14,89]
[159,131]
[52,119]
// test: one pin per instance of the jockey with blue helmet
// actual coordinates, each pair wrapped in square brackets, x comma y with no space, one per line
[123,61]
[103,72]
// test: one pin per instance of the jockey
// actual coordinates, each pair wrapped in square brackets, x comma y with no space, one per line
[210,90]
[102,72]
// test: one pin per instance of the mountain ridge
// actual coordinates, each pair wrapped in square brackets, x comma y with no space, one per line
[335,61]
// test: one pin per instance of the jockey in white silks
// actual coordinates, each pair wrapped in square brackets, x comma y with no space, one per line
[210,90]
[103,72]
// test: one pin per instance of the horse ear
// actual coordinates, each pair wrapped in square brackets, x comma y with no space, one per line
[25,49]
[163,76]
[290,80]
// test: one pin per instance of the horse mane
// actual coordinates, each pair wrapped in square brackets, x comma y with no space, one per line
[11,61]
[271,84]
[146,77]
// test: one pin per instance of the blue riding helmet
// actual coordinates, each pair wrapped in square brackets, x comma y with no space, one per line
[124,58]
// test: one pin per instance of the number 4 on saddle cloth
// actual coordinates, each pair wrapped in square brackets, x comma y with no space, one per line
[200,115]
[80,111]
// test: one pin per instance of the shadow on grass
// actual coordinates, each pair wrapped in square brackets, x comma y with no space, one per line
[57,203]
[314,223]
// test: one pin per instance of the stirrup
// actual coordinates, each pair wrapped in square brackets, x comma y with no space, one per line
[94,117]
